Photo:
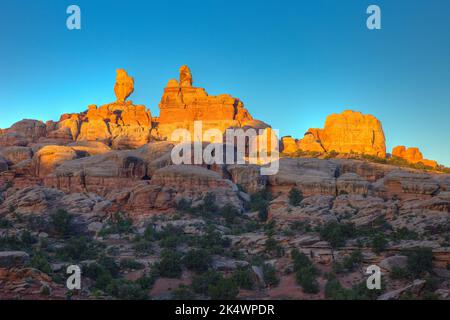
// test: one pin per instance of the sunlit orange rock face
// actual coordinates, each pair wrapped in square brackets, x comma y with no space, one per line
[347,132]
[412,155]
[120,124]
[124,85]
[182,104]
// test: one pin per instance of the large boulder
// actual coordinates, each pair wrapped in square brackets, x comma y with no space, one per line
[50,157]
[124,86]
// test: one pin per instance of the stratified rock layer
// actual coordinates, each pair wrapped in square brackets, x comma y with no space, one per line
[182,104]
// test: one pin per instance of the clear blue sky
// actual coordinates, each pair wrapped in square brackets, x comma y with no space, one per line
[291,62]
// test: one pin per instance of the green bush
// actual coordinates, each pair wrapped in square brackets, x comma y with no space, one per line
[224,289]
[27,238]
[259,202]
[243,277]
[202,282]
[295,197]
[420,260]
[142,246]
[273,248]
[398,273]
[39,261]
[197,260]
[404,234]
[5,223]
[212,241]
[170,264]
[150,234]
[305,272]
[336,234]
[131,264]
[77,249]
[379,243]
[349,263]
[229,213]
[126,290]
[119,223]
[61,222]
[183,292]
[335,291]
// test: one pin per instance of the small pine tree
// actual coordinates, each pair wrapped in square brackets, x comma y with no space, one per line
[295,197]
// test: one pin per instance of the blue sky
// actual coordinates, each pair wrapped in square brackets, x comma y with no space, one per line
[291,62]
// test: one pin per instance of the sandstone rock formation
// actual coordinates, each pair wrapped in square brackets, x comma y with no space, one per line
[124,86]
[348,132]
[182,104]
[412,155]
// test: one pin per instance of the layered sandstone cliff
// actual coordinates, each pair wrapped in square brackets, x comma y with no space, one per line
[182,104]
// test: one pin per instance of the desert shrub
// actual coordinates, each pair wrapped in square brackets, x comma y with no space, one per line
[170,264]
[126,290]
[295,197]
[39,261]
[142,246]
[170,236]
[197,260]
[224,289]
[147,280]
[243,277]
[76,249]
[379,243]
[398,273]
[337,234]
[5,223]
[27,238]
[335,291]
[212,241]
[61,222]
[420,260]
[305,272]
[270,275]
[349,263]
[404,234]
[119,223]
[183,292]
[131,264]
[202,282]
[273,248]
[259,202]
[229,213]
[208,207]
